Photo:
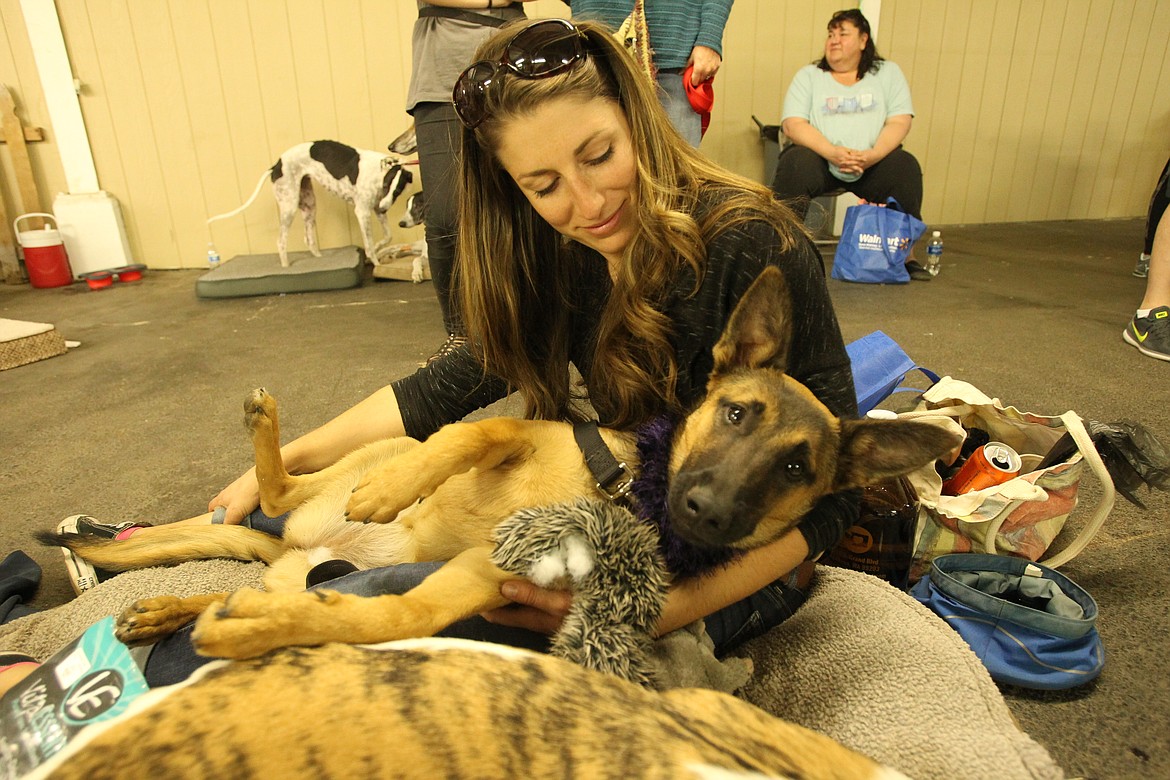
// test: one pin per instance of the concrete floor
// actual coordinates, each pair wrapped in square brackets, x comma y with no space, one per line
[143,420]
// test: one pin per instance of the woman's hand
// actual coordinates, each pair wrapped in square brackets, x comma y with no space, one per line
[706,61]
[240,498]
[854,161]
[536,609]
[845,159]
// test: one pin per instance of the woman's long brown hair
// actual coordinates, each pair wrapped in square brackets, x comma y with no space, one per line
[515,273]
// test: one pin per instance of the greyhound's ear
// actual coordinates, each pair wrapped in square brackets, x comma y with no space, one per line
[759,331]
[873,450]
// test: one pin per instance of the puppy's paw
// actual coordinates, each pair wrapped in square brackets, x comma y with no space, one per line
[250,623]
[259,410]
[379,498]
[148,620]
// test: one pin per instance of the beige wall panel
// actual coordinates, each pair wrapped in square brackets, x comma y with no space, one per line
[1036,83]
[968,90]
[207,133]
[1051,95]
[1083,22]
[1113,178]
[1109,31]
[249,152]
[387,67]
[996,79]
[1045,109]
[1139,159]
[144,201]
[179,134]
[942,39]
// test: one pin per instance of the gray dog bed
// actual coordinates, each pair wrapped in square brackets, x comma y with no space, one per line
[860,661]
[336,269]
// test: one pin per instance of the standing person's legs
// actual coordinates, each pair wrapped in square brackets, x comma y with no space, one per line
[801,175]
[1149,330]
[1158,202]
[438,132]
[673,96]
[1158,283]
[898,176]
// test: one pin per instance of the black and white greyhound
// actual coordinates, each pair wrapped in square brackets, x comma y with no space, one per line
[370,181]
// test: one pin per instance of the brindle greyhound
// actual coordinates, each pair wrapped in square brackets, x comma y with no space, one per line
[755,455]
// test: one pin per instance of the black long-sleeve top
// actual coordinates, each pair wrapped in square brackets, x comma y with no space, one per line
[451,388]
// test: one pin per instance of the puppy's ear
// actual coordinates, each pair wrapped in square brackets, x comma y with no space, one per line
[873,450]
[758,333]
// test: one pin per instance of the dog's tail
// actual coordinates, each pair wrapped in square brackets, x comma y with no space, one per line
[248,202]
[170,545]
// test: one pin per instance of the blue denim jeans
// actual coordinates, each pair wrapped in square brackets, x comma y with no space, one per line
[673,96]
[173,659]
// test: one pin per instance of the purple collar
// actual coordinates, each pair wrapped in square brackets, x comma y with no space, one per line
[649,490]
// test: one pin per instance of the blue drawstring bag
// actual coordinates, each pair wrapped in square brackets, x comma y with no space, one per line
[875,242]
[1029,624]
[880,366]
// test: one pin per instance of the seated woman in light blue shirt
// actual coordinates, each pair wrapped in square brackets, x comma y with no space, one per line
[846,116]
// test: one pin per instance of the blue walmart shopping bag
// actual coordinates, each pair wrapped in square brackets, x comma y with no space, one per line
[875,242]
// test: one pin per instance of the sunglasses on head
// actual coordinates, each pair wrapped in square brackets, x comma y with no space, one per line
[540,50]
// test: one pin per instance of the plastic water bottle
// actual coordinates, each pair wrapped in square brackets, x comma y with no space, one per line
[934,253]
[212,256]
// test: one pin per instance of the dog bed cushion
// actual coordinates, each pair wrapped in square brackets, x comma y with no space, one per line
[861,662]
[27,342]
[336,269]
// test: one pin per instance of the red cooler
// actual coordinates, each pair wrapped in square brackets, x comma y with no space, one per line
[44,253]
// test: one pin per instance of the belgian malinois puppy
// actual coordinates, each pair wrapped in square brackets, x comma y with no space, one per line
[743,467]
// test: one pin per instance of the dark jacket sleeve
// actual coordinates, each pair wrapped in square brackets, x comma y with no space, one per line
[445,391]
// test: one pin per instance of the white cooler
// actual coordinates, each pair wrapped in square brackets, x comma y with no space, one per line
[93,231]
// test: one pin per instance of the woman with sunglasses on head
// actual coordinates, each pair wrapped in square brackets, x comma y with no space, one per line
[593,234]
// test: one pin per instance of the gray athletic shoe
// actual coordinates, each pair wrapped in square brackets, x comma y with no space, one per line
[1151,334]
[82,573]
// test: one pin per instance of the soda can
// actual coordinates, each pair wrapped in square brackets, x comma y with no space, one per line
[991,464]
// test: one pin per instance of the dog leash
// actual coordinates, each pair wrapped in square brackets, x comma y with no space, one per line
[614,479]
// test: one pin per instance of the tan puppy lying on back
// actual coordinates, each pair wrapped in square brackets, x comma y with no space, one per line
[744,467]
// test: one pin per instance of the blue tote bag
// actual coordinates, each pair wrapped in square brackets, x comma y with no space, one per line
[880,365]
[875,242]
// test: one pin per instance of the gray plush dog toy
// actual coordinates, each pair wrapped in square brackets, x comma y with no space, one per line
[612,564]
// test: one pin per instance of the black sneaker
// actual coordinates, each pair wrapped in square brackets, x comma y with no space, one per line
[83,574]
[1151,334]
[452,343]
[917,272]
